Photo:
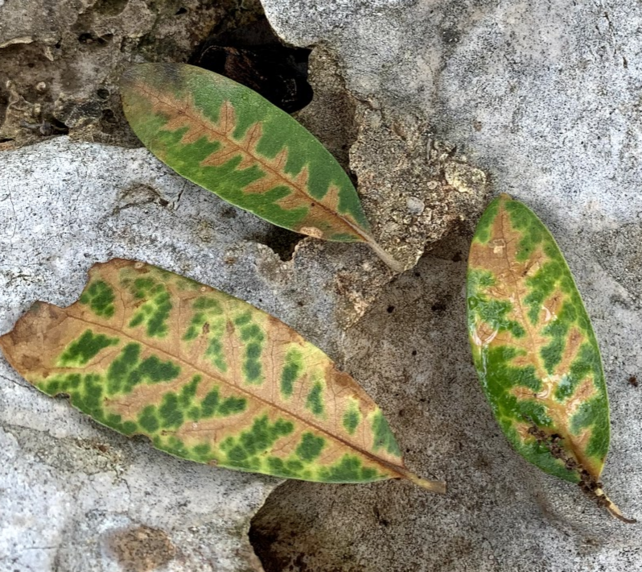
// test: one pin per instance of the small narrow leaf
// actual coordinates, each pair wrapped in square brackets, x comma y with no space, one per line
[534,348]
[230,140]
[206,377]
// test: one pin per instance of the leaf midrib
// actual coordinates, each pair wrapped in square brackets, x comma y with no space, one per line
[209,127]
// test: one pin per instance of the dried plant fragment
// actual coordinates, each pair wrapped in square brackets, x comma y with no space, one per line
[206,377]
[534,348]
[230,140]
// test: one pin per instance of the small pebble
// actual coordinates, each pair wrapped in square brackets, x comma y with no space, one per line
[415,205]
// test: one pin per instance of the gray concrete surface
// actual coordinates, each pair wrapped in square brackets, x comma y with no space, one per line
[545,97]
[74,495]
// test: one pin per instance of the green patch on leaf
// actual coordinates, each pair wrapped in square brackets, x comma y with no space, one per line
[351,418]
[100,297]
[310,447]
[383,437]
[292,369]
[82,350]
[314,401]
[153,311]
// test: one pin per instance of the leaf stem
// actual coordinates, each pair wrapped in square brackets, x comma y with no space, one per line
[438,487]
[393,264]
[610,506]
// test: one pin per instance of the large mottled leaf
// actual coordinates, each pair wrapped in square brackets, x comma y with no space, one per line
[206,377]
[534,348]
[233,142]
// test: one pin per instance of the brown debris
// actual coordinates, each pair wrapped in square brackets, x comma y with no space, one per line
[141,549]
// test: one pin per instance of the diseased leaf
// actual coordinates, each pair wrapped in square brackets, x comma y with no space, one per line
[206,377]
[534,348]
[230,140]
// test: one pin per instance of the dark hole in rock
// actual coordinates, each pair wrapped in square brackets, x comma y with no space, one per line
[282,241]
[102,93]
[4,101]
[89,38]
[253,55]
[52,126]
[181,10]
[262,540]
[108,121]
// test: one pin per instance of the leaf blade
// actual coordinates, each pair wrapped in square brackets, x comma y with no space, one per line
[231,141]
[533,345]
[205,376]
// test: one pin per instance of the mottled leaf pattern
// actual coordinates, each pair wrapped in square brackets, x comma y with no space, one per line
[534,348]
[233,142]
[206,377]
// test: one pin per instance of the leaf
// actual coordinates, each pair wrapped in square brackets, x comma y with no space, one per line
[228,139]
[534,348]
[206,377]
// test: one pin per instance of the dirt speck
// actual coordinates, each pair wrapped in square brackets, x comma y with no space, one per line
[141,549]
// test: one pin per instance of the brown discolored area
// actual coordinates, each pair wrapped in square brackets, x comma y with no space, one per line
[141,549]
[589,483]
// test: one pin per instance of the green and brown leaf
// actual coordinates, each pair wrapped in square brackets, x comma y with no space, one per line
[534,348]
[206,377]
[233,142]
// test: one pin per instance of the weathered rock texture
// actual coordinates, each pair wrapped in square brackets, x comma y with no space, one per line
[66,205]
[414,190]
[74,495]
[544,97]
[61,60]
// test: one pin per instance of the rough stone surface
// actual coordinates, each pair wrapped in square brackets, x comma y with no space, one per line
[61,60]
[396,166]
[74,495]
[545,98]
[65,206]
